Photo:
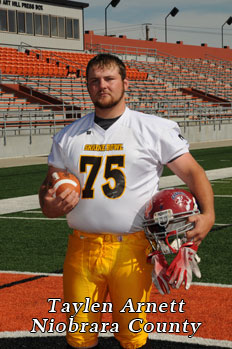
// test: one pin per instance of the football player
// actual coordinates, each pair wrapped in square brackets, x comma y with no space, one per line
[118,155]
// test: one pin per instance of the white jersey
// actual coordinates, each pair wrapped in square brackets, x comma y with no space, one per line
[119,168]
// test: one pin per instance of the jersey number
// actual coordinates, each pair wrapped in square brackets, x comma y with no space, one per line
[113,165]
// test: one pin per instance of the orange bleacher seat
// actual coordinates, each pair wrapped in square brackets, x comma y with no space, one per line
[6,69]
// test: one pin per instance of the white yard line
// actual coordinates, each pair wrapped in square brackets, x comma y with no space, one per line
[34,218]
[18,204]
[29,273]
[223,196]
[32,212]
[220,173]
[223,224]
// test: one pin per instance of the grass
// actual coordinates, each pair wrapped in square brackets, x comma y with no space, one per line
[215,256]
[213,158]
[37,245]
[214,250]
[21,181]
[210,158]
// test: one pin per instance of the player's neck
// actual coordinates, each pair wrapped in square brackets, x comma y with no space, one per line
[110,113]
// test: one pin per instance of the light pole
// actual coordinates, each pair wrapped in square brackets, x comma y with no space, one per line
[113,3]
[172,13]
[228,21]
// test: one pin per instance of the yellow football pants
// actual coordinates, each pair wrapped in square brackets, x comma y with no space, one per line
[96,264]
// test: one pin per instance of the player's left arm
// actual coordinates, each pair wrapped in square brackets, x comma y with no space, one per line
[190,172]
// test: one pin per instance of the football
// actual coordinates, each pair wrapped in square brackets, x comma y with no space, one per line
[64,180]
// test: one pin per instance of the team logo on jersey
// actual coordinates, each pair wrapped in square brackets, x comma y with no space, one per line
[181,137]
[103,147]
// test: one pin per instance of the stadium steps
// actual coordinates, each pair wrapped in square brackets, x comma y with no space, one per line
[206,97]
[31,96]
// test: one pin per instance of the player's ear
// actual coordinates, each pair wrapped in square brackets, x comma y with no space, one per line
[126,83]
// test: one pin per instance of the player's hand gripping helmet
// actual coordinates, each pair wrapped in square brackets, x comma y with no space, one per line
[166,219]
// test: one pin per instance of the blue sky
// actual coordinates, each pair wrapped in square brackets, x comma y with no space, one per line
[198,21]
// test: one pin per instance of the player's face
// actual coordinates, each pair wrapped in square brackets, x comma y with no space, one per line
[106,87]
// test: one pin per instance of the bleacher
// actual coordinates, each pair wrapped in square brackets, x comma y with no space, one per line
[172,87]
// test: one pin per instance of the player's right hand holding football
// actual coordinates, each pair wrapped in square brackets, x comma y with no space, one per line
[60,205]
[56,203]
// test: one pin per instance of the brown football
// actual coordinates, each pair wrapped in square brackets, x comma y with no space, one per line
[64,180]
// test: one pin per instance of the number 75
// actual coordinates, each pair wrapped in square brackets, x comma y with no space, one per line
[113,165]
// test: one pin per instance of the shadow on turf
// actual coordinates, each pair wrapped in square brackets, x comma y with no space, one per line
[105,343]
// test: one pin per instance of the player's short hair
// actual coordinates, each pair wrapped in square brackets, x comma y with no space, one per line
[106,60]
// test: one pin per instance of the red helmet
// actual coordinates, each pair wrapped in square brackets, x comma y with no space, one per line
[166,219]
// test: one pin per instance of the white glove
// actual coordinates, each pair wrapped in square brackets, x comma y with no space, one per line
[159,277]
[183,265]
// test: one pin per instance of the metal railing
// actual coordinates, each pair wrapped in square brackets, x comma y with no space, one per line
[121,49]
[35,122]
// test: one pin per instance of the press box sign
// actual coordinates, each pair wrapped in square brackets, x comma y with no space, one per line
[23,5]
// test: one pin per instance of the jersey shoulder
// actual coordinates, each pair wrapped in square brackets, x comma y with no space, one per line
[151,120]
[75,128]
[150,126]
[157,133]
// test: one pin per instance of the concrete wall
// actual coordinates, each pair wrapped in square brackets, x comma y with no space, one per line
[18,146]
[25,146]
[207,133]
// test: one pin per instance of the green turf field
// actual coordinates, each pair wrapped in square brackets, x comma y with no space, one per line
[211,158]
[31,242]
[21,181]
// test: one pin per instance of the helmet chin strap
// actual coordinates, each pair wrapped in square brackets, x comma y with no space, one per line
[176,243]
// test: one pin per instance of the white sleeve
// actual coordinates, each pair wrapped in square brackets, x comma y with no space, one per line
[172,145]
[55,158]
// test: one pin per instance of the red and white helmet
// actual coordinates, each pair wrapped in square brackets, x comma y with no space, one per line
[166,219]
